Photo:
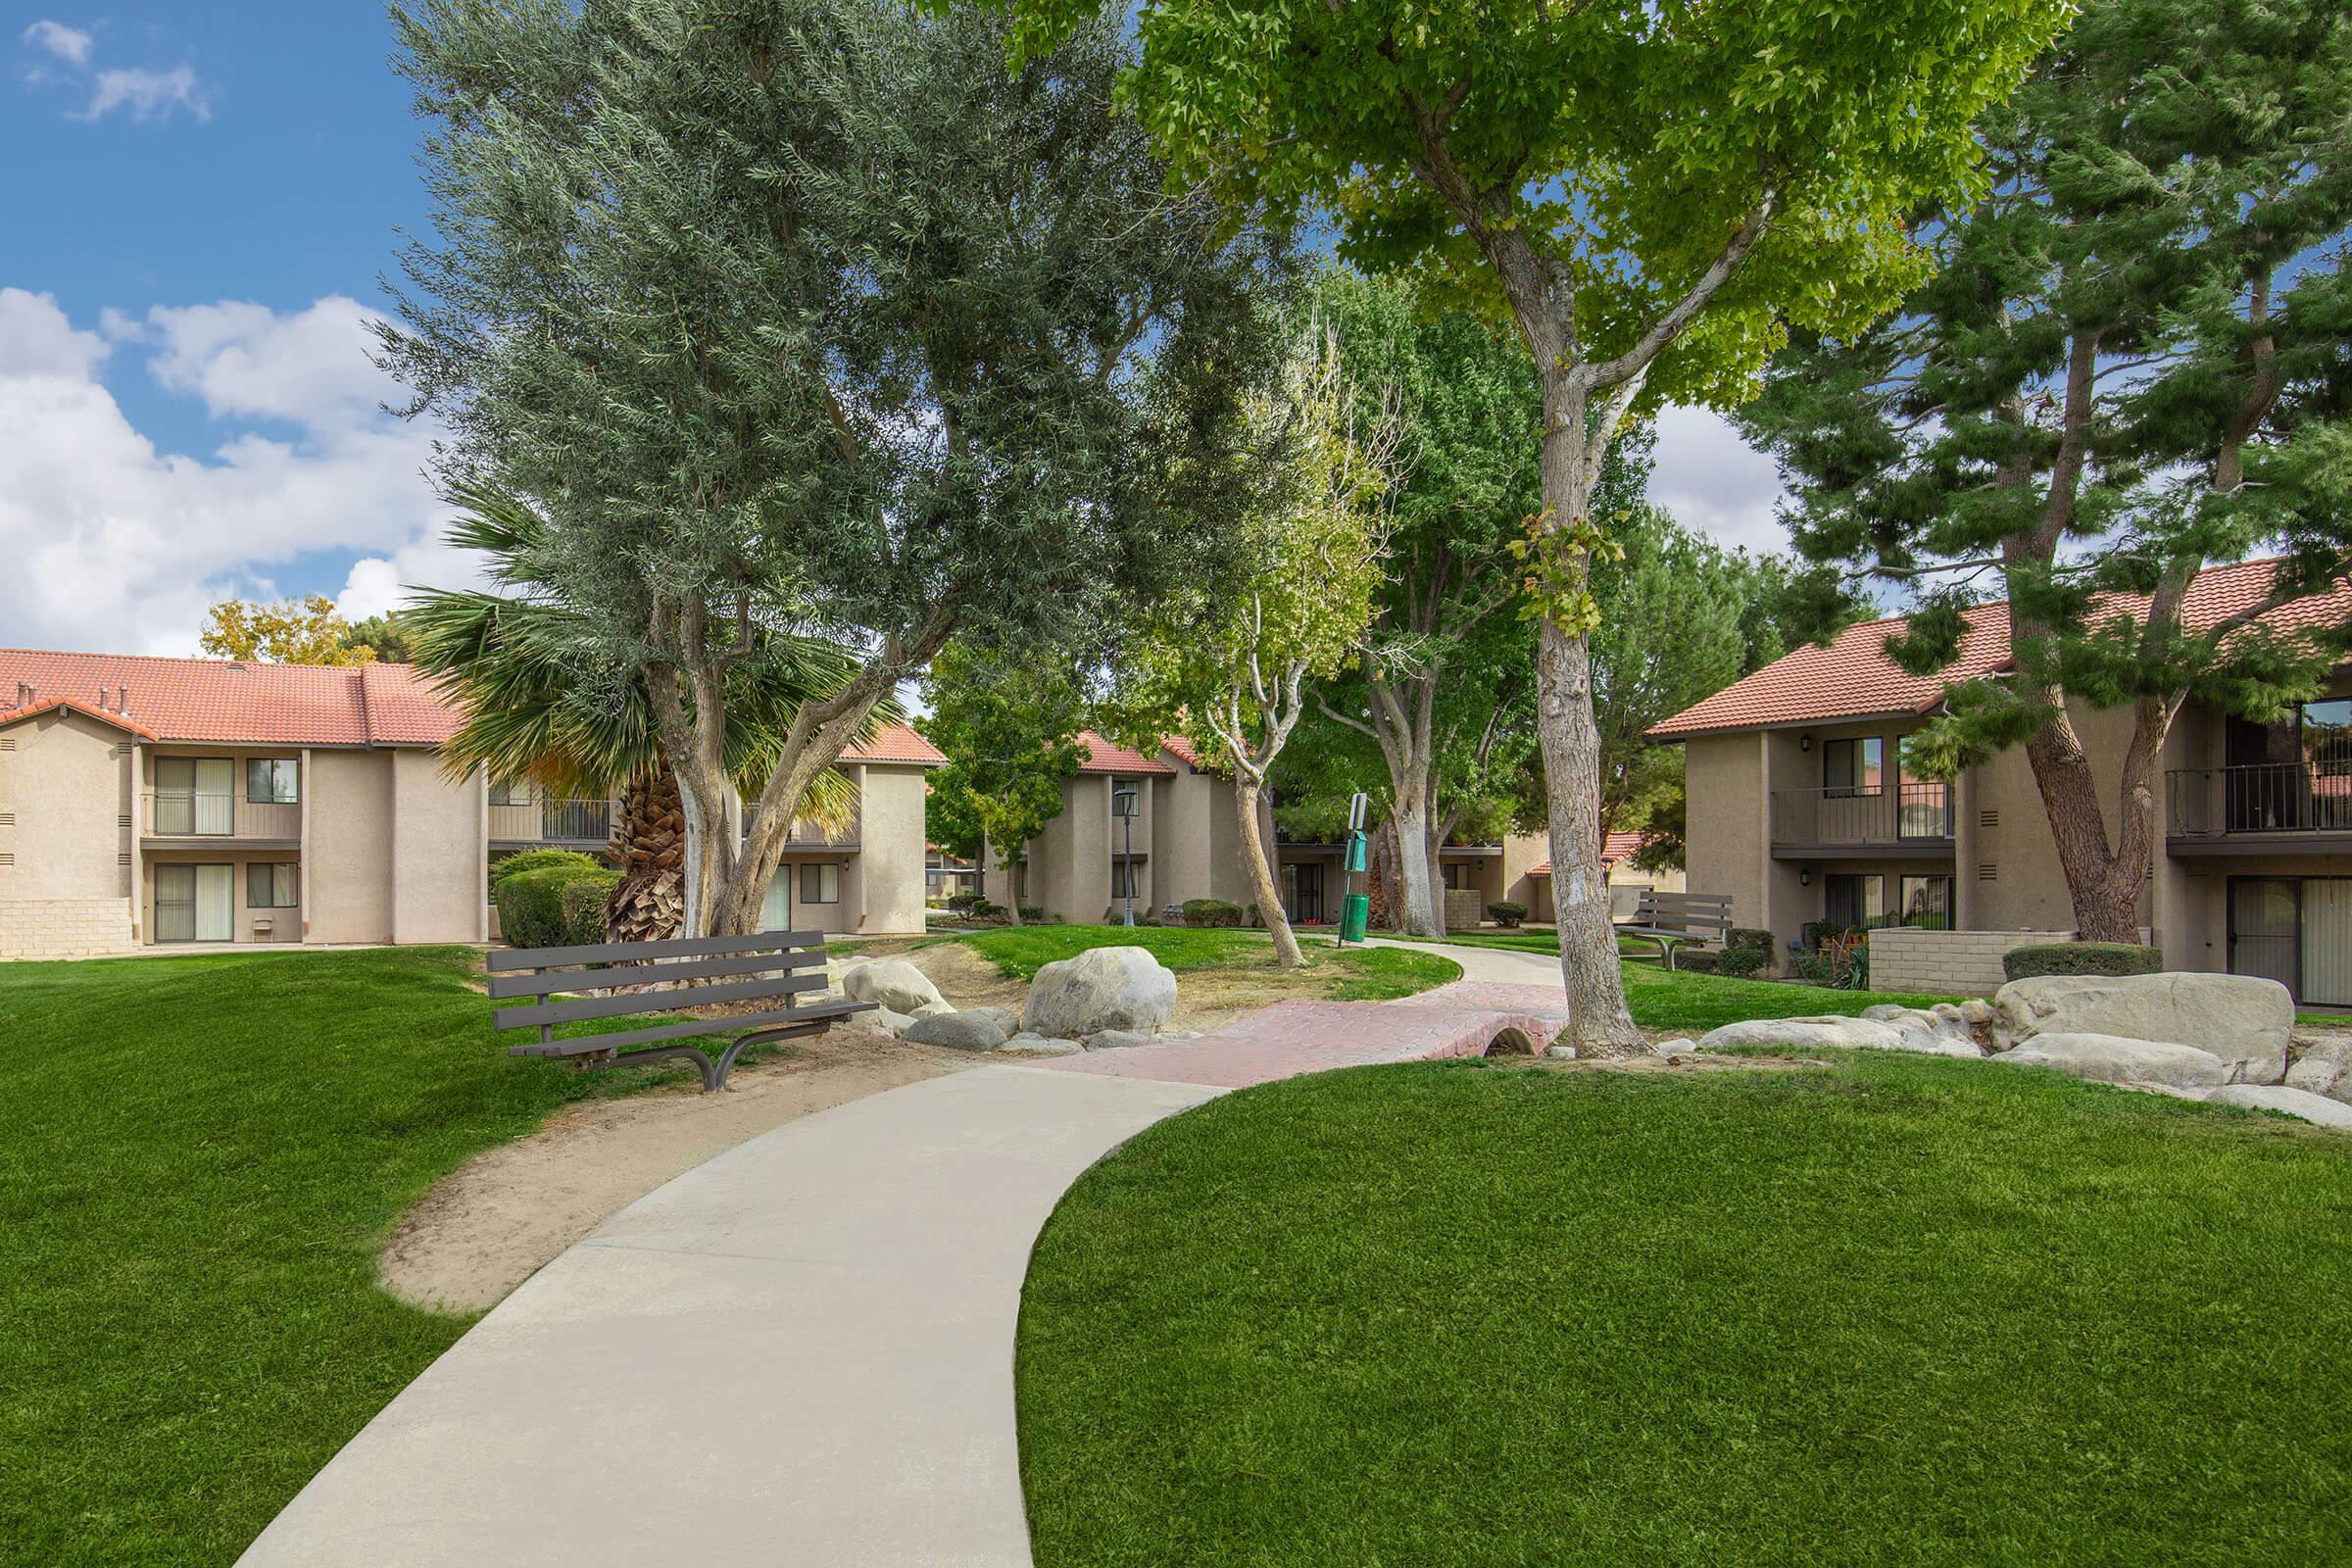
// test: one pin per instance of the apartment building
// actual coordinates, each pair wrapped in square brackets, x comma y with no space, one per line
[154,801]
[1182,840]
[1802,808]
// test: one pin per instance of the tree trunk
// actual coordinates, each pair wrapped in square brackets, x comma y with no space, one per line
[1380,879]
[649,844]
[1260,872]
[1421,915]
[2103,881]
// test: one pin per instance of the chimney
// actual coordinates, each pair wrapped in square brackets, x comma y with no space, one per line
[123,701]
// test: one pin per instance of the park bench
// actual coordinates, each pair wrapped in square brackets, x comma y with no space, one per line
[625,979]
[1672,919]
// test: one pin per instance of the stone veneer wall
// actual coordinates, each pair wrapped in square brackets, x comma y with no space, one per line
[1947,962]
[1465,908]
[63,928]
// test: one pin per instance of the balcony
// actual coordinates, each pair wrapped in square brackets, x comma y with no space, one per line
[2262,806]
[809,833]
[551,821]
[204,815]
[1863,823]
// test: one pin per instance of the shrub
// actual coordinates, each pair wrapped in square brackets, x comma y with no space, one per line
[535,908]
[1747,939]
[981,909]
[2082,957]
[1213,911]
[582,903]
[1698,961]
[961,902]
[1508,914]
[1742,960]
[1033,914]
[541,860]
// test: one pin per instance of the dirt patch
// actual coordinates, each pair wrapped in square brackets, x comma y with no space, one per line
[487,1226]
[967,979]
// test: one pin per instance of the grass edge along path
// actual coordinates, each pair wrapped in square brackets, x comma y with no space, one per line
[1899,1310]
[198,1159]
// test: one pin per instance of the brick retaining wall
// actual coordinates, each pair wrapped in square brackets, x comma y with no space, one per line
[1465,908]
[1947,962]
[63,928]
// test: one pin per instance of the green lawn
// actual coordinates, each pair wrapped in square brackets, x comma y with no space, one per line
[198,1159]
[1693,1004]
[1898,1311]
[1352,974]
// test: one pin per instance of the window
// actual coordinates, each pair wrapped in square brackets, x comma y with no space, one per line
[272,780]
[1925,902]
[1851,900]
[820,883]
[1460,876]
[1852,768]
[509,792]
[1125,881]
[271,885]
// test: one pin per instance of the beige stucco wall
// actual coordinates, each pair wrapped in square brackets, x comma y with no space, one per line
[351,824]
[2026,889]
[1727,823]
[889,853]
[65,805]
[439,851]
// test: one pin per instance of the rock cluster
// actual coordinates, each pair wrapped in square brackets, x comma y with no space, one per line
[1102,999]
[2227,1039]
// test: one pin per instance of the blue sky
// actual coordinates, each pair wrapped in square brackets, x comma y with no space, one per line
[201,203]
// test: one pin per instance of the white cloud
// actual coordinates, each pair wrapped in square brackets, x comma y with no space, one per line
[147,95]
[116,545]
[70,44]
[1713,481]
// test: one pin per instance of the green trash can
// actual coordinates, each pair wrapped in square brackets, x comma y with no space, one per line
[1354,915]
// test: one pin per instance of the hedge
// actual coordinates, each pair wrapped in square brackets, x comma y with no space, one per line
[1211,912]
[1742,960]
[540,860]
[553,907]
[1698,961]
[2082,957]
[1749,938]
[1508,914]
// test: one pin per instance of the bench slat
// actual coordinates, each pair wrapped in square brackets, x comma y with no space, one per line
[501,960]
[582,1044]
[547,982]
[615,1006]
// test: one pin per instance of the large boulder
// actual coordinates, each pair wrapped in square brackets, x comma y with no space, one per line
[1101,988]
[2118,1059]
[978,1029]
[2325,1068]
[1869,1034]
[893,983]
[2242,1020]
[2317,1109]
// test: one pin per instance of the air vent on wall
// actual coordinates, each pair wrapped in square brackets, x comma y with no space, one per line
[124,859]
[7,858]
[1987,871]
[8,742]
[1989,819]
[8,819]
[123,819]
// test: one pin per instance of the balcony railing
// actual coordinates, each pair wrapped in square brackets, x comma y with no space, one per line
[1909,814]
[2260,798]
[553,822]
[810,831]
[212,814]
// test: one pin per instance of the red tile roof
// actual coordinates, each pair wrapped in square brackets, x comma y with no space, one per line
[1106,757]
[68,705]
[1614,846]
[1184,750]
[229,702]
[895,743]
[1853,679]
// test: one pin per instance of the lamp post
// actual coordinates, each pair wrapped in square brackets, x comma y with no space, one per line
[1123,799]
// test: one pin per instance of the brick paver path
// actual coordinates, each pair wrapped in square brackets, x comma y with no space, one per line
[1466,1018]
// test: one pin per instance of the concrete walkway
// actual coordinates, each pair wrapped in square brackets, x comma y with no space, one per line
[800,1353]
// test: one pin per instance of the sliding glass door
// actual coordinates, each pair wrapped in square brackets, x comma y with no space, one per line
[195,904]
[195,795]
[2296,931]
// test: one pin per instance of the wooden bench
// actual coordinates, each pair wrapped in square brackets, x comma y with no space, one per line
[624,979]
[1672,919]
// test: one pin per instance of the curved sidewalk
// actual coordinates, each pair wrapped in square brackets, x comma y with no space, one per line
[800,1352]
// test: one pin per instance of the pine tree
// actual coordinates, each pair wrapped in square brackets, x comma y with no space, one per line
[2133,362]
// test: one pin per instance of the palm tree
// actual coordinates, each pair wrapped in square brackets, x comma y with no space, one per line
[542,703]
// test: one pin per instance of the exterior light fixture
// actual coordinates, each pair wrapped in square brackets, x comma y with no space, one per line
[1805,878]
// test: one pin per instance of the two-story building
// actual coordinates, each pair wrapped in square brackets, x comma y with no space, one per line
[1180,839]
[153,802]
[1803,808]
